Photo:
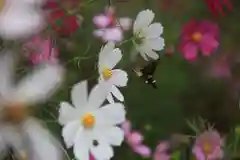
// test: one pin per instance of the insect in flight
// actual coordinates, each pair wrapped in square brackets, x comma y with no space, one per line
[146,73]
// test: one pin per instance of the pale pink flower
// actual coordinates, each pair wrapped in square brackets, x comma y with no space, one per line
[161,151]
[39,50]
[220,67]
[134,140]
[110,28]
[199,36]
[208,146]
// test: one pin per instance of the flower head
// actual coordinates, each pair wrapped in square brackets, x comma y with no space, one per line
[110,28]
[161,151]
[147,35]
[88,127]
[208,146]
[216,6]
[134,140]
[41,50]
[195,36]
[20,20]
[108,59]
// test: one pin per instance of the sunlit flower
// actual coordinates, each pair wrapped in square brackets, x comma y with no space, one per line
[108,59]
[134,140]
[110,28]
[40,50]
[21,19]
[147,35]
[208,146]
[199,36]
[161,151]
[216,6]
[89,127]
[19,130]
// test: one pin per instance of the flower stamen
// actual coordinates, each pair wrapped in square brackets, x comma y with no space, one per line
[107,73]
[197,36]
[88,120]
[207,147]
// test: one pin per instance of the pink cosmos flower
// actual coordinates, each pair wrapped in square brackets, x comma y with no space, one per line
[109,27]
[40,49]
[220,67]
[208,146]
[216,6]
[199,36]
[134,140]
[161,151]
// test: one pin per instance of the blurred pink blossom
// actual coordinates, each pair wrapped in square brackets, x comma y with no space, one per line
[109,27]
[220,67]
[208,146]
[40,50]
[161,151]
[199,36]
[134,140]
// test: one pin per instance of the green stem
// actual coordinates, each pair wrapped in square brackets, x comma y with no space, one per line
[235,144]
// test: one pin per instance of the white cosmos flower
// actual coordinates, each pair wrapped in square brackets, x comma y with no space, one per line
[87,123]
[33,89]
[29,140]
[21,19]
[148,35]
[108,59]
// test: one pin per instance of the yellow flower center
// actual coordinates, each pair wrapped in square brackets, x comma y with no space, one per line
[16,112]
[197,37]
[107,73]
[207,147]
[88,120]
[24,155]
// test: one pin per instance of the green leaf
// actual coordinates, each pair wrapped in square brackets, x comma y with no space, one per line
[176,155]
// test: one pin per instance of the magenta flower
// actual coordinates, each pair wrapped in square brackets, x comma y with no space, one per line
[110,28]
[208,146]
[161,151]
[134,140]
[199,36]
[39,50]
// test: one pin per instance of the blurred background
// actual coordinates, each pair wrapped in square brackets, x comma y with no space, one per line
[186,90]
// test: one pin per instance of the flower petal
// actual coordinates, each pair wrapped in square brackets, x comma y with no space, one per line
[66,113]
[113,34]
[146,50]
[198,153]
[115,91]
[110,114]
[38,86]
[81,147]
[102,151]
[98,95]
[126,126]
[112,135]
[109,58]
[101,21]
[155,43]
[208,44]
[110,98]
[190,52]
[125,23]
[119,78]
[104,53]
[153,31]
[69,132]
[79,94]
[143,150]
[135,138]
[144,18]
[41,143]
